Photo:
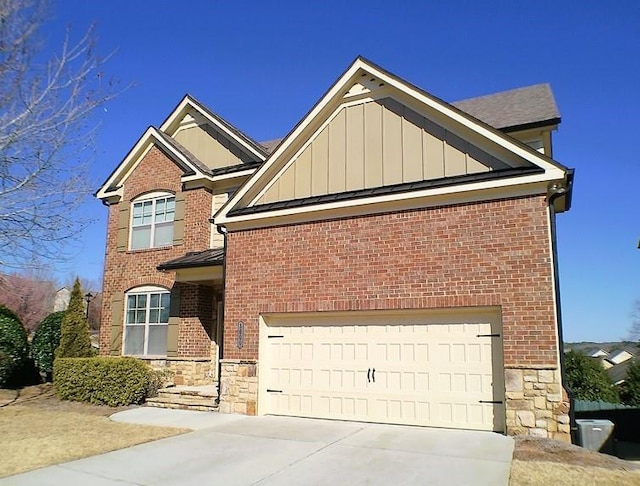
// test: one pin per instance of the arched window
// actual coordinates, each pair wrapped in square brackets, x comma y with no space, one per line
[146,321]
[152,220]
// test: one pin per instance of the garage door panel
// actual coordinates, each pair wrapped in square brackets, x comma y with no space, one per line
[427,372]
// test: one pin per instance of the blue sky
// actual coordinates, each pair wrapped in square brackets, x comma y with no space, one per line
[262,65]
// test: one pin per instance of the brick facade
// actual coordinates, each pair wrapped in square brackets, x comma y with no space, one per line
[477,254]
[124,270]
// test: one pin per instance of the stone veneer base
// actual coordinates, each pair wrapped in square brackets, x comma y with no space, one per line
[239,386]
[186,371]
[536,403]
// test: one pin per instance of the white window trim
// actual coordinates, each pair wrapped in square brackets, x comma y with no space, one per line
[146,197]
[148,290]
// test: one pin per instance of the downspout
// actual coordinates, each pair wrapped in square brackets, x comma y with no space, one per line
[223,231]
[554,193]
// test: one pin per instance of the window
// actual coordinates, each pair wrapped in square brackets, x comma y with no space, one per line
[152,221]
[146,321]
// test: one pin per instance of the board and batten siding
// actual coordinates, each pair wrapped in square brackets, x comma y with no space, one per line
[375,144]
[211,147]
[218,200]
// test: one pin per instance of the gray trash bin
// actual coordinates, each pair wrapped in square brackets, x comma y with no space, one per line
[595,434]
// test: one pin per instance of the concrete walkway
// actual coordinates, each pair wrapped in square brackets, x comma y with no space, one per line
[239,450]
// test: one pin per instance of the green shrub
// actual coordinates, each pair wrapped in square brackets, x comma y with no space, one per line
[45,341]
[74,331]
[102,380]
[14,347]
[158,379]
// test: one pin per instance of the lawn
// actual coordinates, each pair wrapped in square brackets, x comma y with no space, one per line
[545,461]
[39,430]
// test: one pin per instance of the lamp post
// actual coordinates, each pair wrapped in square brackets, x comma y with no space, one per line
[88,297]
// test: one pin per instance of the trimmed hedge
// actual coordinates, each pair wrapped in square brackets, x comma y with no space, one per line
[45,341]
[14,347]
[102,380]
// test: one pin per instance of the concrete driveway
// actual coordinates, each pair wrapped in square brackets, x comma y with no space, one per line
[238,450]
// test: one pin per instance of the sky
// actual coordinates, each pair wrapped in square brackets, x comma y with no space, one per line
[262,65]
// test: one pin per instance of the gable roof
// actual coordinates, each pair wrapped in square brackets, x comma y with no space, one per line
[516,109]
[189,102]
[180,154]
[152,136]
[348,84]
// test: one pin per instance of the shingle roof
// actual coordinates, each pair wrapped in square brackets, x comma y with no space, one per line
[514,109]
[270,145]
[206,258]
[507,110]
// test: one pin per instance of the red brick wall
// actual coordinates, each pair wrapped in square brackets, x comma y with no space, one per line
[124,270]
[477,254]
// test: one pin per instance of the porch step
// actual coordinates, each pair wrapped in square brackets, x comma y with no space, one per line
[201,398]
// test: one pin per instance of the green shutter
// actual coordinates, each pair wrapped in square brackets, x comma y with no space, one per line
[117,312]
[174,322]
[178,220]
[123,226]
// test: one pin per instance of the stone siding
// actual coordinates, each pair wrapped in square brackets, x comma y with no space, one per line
[536,404]
[239,386]
[189,372]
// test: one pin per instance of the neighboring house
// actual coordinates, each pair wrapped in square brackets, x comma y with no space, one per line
[618,372]
[618,357]
[61,301]
[392,259]
[596,353]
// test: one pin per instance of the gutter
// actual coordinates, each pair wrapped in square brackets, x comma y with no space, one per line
[554,193]
[223,231]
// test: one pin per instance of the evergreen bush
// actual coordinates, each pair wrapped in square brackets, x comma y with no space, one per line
[102,380]
[75,341]
[45,340]
[14,347]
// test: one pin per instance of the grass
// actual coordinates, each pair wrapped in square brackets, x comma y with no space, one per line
[534,473]
[41,431]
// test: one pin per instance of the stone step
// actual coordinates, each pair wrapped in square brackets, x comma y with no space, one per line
[187,398]
[178,406]
[208,391]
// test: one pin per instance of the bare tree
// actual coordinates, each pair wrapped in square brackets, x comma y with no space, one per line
[30,295]
[46,134]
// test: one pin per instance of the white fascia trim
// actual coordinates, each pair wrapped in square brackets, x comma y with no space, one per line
[532,184]
[337,87]
[137,153]
[342,83]
[454,115]
[220,178]
[189,103]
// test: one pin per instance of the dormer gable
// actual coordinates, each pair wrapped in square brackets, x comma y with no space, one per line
[374,142]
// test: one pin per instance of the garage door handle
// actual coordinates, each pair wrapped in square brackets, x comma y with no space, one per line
[369,375]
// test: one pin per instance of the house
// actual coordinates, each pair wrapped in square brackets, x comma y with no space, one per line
[61,300]
[596,352]
[618,373]
[617,357]
[392,259]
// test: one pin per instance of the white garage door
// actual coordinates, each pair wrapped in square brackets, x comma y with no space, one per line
[425,368]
